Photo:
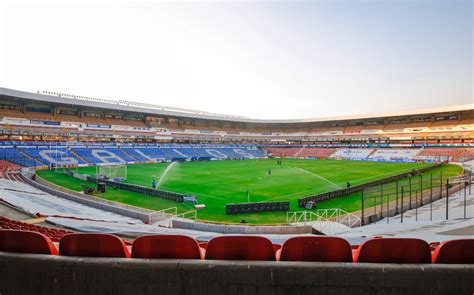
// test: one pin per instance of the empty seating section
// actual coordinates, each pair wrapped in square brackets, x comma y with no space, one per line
[283,151]
[9,170]
[43,155]
[13,155]
[93,245]
[119,153]
[314,248]
[394,154]
[51,155]
[353,153]
[316,152]
[393,250]
[466,153]
[443,152]
[455,252]
[54,234]
[24,239]
[148,154]
[97,155]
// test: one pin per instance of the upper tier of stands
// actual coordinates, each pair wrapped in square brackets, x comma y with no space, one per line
[455,127]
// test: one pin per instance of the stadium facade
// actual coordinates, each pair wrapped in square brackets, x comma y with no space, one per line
[59,117]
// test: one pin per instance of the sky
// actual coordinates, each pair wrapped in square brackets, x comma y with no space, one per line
[259,59]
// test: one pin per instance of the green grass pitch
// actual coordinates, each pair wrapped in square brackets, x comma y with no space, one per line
[217,183]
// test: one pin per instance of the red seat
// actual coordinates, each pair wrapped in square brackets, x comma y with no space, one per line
[393,250]
[166,247]
[93,245]
[455,251]
[26,242]
[313,248]
[240,248]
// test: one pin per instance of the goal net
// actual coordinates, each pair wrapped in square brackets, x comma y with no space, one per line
[116,172]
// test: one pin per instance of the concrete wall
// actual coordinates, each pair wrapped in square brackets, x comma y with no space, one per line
[42,274]
[241,229]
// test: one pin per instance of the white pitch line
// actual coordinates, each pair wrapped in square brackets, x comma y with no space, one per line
[318,176]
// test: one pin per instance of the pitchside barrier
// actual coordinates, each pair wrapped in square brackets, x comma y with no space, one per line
[140,189]
[257,207]
[357,188]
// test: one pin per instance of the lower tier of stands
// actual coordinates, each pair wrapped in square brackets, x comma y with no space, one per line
[32,239]
[383,154]
[9,171]
[54,234]
[302,152]
[43,155]
[33,156]
[101,264]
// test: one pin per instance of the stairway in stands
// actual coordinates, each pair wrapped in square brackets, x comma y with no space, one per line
[30,157]
[131,156]
[76,155]
[373,152]
[297,154]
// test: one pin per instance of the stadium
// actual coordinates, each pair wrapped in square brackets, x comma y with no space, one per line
[236,147]
[81,171]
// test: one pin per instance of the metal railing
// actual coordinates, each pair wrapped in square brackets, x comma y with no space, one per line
[323,218]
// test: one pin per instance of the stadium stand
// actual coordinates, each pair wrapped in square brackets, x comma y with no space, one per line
[245,248]
[283,152]
[38,131]
[54,234]
[394,154]
[36,154]
[307,152]
[9,170]
[443,152]
[465,153]
[352,153]
[33,155]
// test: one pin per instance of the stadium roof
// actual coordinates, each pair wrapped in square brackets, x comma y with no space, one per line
[157,110]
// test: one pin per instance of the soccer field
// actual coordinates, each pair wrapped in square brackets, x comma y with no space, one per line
[217,183]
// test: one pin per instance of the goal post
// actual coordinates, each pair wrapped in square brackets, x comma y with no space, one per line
[116,172]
